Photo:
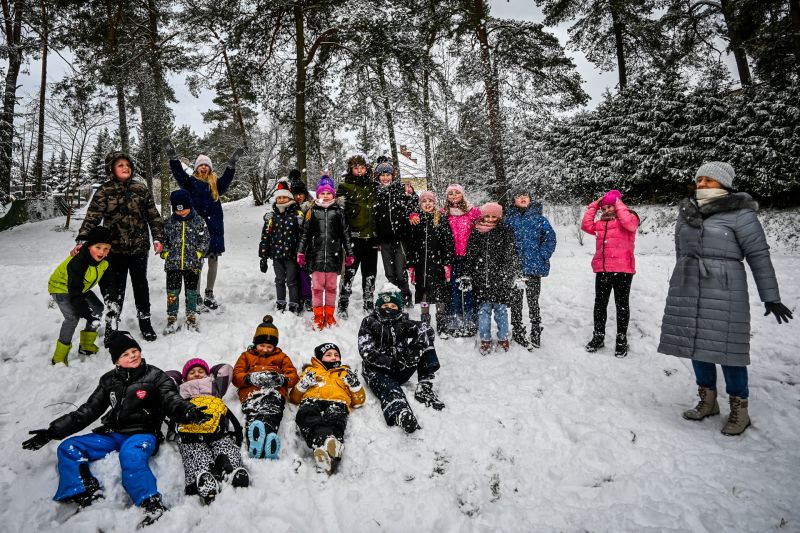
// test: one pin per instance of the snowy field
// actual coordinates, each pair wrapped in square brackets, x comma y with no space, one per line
[554,440]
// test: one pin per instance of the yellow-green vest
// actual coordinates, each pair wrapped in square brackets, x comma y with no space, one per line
[57,284]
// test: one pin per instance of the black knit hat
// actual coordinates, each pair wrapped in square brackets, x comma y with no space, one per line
[320,350]
[298,187]
[98,234]
[121,341]
[266,332]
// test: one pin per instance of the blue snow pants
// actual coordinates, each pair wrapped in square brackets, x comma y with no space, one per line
[386,385]
[134,452]
[464,318]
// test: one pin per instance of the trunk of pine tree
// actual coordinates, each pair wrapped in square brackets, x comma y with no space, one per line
[794,11]
[13,31]
[387,112]
[161,114]
[237,107]
[735,39]
[430,175]
[38,165]
[500,186]
[618,27]
[300,90]
[123,117]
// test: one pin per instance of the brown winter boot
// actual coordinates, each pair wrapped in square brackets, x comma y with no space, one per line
[329,320]
[191,322]
[739,418]
[707,405]
[319,317]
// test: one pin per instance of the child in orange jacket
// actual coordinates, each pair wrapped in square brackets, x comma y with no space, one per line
[326,392]
[264,375]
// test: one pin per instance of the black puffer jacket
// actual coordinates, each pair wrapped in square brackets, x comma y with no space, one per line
[325,235]
[392,212]
[429,249]
[493,264]
[139,399]
[393,344]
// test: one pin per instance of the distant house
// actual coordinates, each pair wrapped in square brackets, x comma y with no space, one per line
[411,169]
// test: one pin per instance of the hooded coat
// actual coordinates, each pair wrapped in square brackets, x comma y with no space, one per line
[326,239]
[330,386]
[280,236]
[394,345]
[186,242]
[204,203]
[492,263]
[359,195]
[616,238]
[250,361]
[534,237]
[76,276]
[392,212]
[431,248]
[707,314]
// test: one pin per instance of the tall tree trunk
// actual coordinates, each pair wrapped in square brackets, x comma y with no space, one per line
[500,186]
[123,117]
[300,90]
[618,27]
[387,112]
[13,31]
[735,39]
[159,130]
[235,93]
[430,174]
[38,165]
[794,12]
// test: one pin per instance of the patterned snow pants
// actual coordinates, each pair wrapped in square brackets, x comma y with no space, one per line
[199,457]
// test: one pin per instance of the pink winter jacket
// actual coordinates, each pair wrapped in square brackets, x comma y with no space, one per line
[462,226]
[615,238]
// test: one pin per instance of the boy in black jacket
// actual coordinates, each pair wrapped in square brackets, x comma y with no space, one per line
[139,396]
[394,348]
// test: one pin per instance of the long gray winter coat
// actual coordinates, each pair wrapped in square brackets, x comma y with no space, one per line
[707,316]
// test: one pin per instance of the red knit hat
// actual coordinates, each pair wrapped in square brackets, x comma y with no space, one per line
[191,363]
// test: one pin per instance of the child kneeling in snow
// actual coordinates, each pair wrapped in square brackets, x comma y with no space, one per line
[326,392]
[264,375]
[394,348]
[209,450]
[138,395]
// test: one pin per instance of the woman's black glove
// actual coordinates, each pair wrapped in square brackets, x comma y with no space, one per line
[264,265]
[235,157]
[169,148]
[197,415]
[780,311]
[39,439]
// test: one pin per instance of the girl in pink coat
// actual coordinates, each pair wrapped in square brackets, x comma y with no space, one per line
[461,216]
[613,264]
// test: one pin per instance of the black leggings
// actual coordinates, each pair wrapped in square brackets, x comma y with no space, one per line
[113,287]
[620,282]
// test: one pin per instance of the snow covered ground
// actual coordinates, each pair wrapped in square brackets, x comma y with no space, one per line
[555,440]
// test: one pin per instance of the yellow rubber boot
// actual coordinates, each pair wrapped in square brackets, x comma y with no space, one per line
[87,345]
[62,353]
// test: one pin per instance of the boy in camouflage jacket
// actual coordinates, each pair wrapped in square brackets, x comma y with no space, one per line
[185,246]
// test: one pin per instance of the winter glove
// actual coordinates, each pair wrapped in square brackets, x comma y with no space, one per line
[520,283]
[170,149]
[267,379]
[414,218]
[235,157]
[39,439]
[199,254]
[411,275]
[780,311]
[349,260]
[196,415]
[448,270]
[309,380]
[165,254]
[352,381]
[464,283]
[264,265]
[301,260]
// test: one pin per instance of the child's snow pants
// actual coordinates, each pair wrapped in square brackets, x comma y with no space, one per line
[319,419]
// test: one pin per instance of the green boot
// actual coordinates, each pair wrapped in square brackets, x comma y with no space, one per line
[87,346]
[61,354]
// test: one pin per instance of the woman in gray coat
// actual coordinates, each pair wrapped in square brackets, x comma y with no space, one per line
[707,316]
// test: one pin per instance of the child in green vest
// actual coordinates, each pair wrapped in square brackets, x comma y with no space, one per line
[71,284]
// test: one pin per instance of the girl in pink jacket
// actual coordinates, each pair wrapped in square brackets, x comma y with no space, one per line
[461,216]
[613,264]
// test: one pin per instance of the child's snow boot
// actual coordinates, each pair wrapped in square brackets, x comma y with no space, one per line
[191,322]
[207,487]
[280,306]
[597,342]
[485,347]
[210,301]
[407,421]
[520,336]
[153,510]
[306,305]
[148,333]
[272,446]
[172,325]
[621,348]
[341,309]
[322,460]
[295,309]
[92,492]
[504,345]
[319,318]
[329,320]
[240,477]
[87,345]
[707,406]
[61,354]
[739,419]
[425,395]
[536,336]
[256,436]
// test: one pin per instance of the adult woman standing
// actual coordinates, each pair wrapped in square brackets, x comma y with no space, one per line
[206,187]
[707,315]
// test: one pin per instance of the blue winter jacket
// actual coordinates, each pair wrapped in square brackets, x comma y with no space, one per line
[204,203]
[535,238]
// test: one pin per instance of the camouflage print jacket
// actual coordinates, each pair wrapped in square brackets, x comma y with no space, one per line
[127,209]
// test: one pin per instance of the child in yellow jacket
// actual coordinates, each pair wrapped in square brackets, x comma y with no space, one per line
[326,392]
